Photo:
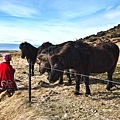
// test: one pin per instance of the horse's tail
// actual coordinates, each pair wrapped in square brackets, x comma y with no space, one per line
[113,49]
[116,52]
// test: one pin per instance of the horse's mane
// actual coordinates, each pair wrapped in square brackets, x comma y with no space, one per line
[62,44]
[69,54]
[82,45]
[45,45]
[54,49]
[51,50]
[26,44]
[79,45]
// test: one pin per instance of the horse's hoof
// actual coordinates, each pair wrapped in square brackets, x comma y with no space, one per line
[108,88]
[87,94]
[76,93]
[60,83]
[68,84]
[113,85]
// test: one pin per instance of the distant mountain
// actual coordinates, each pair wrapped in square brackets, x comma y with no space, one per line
[112,34]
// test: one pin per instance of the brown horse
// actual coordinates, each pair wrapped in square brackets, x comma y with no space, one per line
[85,59]
[44,65]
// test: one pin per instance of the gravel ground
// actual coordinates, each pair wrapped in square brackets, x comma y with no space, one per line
[58,102]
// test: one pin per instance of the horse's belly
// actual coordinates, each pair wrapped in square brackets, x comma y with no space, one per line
[101,64]
[100,70]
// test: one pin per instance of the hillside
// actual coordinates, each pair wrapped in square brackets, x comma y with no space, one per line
[112,34]
[58,102]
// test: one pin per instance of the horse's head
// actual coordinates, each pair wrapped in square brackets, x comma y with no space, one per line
[24,49]
[44,66]
[43,62]
[57,68]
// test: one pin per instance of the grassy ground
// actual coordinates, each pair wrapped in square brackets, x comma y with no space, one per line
[55,102]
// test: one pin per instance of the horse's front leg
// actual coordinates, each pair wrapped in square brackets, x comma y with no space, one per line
[61,80]
[77,88]
[69,78]
[86,80]
[32,68]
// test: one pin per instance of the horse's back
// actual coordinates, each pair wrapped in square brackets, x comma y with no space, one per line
[104,57]
[112,48]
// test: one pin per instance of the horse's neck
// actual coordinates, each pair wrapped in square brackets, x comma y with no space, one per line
[71,58]
[32,53]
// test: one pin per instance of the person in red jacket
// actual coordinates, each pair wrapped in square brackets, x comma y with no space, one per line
[7,82]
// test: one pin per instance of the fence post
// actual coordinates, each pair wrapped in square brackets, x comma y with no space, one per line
[29,88]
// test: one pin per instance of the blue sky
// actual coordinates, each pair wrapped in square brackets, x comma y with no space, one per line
[56,21]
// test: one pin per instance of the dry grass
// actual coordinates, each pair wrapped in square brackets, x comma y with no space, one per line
[54,102]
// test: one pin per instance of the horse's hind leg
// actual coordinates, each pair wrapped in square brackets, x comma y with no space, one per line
[86,80]
[109,83]
[77,88]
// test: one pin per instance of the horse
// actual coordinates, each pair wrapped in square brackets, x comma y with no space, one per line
[85,59]
[30,52]
[44,65]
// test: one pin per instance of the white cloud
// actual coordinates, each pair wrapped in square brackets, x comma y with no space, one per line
[112,13]
[17,10]
[72,9]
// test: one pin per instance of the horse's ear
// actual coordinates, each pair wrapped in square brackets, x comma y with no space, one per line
[25,42]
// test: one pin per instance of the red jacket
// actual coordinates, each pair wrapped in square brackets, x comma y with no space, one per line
[7,76]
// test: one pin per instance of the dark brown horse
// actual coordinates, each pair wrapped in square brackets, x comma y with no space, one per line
[85,59]
[30,52]
[44,63]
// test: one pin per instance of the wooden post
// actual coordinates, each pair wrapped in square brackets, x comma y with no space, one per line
[29,88]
